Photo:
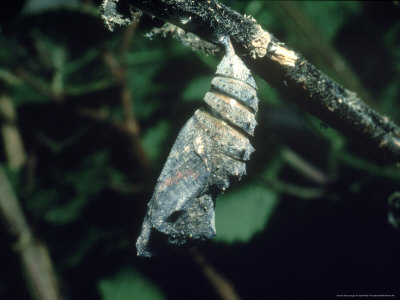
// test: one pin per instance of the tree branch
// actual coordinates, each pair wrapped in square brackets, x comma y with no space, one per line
[35,259]
[293,76]
[118,70]
[222,285]
[13,145]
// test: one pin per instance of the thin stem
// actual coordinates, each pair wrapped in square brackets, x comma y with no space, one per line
[304,167]
[13,145]
[222,286]
[35,259]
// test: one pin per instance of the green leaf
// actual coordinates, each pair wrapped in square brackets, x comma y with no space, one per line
[67,213]
[145,57]
[154,139]
[330,16]
[79,185]
[24,94]
[146,89]
[81,249]
[266,93]
[242,213]
[129,284]
[41,201]
[197,88]
[39,6]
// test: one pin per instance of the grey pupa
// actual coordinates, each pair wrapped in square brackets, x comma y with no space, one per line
[209,153]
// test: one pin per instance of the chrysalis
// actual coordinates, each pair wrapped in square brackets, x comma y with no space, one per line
[209,152]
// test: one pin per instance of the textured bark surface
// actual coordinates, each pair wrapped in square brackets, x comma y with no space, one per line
[297,79]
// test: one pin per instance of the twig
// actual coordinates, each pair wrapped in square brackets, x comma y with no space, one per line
[35,259]
[21,75]
[294,190]
[221,285]
[99,116]
[130,122]
[303,166]
[119,72]
[13,145]
[296,78]
[37,84]
[127,38]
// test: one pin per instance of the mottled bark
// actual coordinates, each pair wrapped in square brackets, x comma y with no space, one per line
[297,79]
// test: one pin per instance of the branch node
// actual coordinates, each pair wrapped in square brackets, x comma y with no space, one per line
[259,44]
[282,55]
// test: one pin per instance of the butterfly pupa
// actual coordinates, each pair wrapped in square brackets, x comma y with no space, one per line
[209,153]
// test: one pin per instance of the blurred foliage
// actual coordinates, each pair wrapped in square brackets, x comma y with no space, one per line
[84,186]
[244,212]
[129,284]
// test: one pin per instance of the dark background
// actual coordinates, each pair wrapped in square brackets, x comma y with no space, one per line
[92,158]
